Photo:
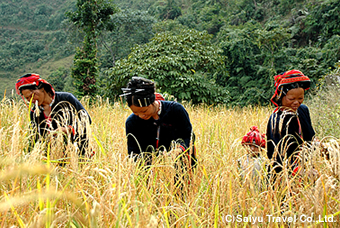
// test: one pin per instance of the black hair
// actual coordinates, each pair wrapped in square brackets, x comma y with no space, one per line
[46,87]
[30,87]
[304,84]
[285,88]
[140,92]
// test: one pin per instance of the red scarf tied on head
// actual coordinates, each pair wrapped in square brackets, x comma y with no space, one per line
[31,80]
[254,137]
[286,78]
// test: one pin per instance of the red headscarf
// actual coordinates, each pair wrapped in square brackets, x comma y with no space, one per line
[254,137]
[286,78]
[159,97]
[29,80]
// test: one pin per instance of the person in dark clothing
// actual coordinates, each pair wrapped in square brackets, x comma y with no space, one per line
[156,125]
[53,112]
[290,125]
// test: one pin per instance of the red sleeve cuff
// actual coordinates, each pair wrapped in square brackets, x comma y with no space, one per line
[296,170]
[72,129]
[182,148]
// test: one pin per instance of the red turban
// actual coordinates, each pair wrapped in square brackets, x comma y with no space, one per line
[159,97]
[254,137]
[288,78]
[31,80]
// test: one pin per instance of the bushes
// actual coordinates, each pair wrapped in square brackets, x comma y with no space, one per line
[29,47]
[185,66]
[325,105]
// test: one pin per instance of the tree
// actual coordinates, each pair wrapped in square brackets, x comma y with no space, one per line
[170,11]
[124,30]
[241,50]
[173,26]
[322,22]
[58,78]
[253,56]
[91,16]
[183,65]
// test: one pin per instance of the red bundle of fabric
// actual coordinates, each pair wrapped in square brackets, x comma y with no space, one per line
[254,137]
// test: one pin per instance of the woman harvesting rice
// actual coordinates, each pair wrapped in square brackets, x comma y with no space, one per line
[156,125]
[289,126]
[54,112]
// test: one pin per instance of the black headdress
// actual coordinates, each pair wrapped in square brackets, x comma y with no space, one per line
[139,92]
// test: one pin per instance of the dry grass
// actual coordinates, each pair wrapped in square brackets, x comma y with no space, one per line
[111,191]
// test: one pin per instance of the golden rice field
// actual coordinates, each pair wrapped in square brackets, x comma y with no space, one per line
[111,191]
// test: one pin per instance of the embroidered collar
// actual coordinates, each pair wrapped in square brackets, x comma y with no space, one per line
[159,108]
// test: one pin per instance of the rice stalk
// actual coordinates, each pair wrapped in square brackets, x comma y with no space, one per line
[110,190]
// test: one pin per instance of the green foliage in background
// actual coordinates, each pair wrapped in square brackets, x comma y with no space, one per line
[34,15]
[326,104]
[170,11]
[20,47]
[61,80]
[258,39]
[183,65]
[91,16]
[255,53]
[124,30]
[31,37]
[322,22]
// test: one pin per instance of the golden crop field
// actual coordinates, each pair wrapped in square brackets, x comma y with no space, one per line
[110,190]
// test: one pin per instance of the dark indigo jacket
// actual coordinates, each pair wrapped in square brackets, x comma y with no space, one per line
[285,132]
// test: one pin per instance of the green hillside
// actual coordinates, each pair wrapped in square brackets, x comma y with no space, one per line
[44,69]
[255,40]
[32,39]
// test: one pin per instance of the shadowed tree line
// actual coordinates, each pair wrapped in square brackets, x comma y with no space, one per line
[203,51]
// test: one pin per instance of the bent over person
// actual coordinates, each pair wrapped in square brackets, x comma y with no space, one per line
[54,113]
[253,163]
[290,125]
[155,125]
